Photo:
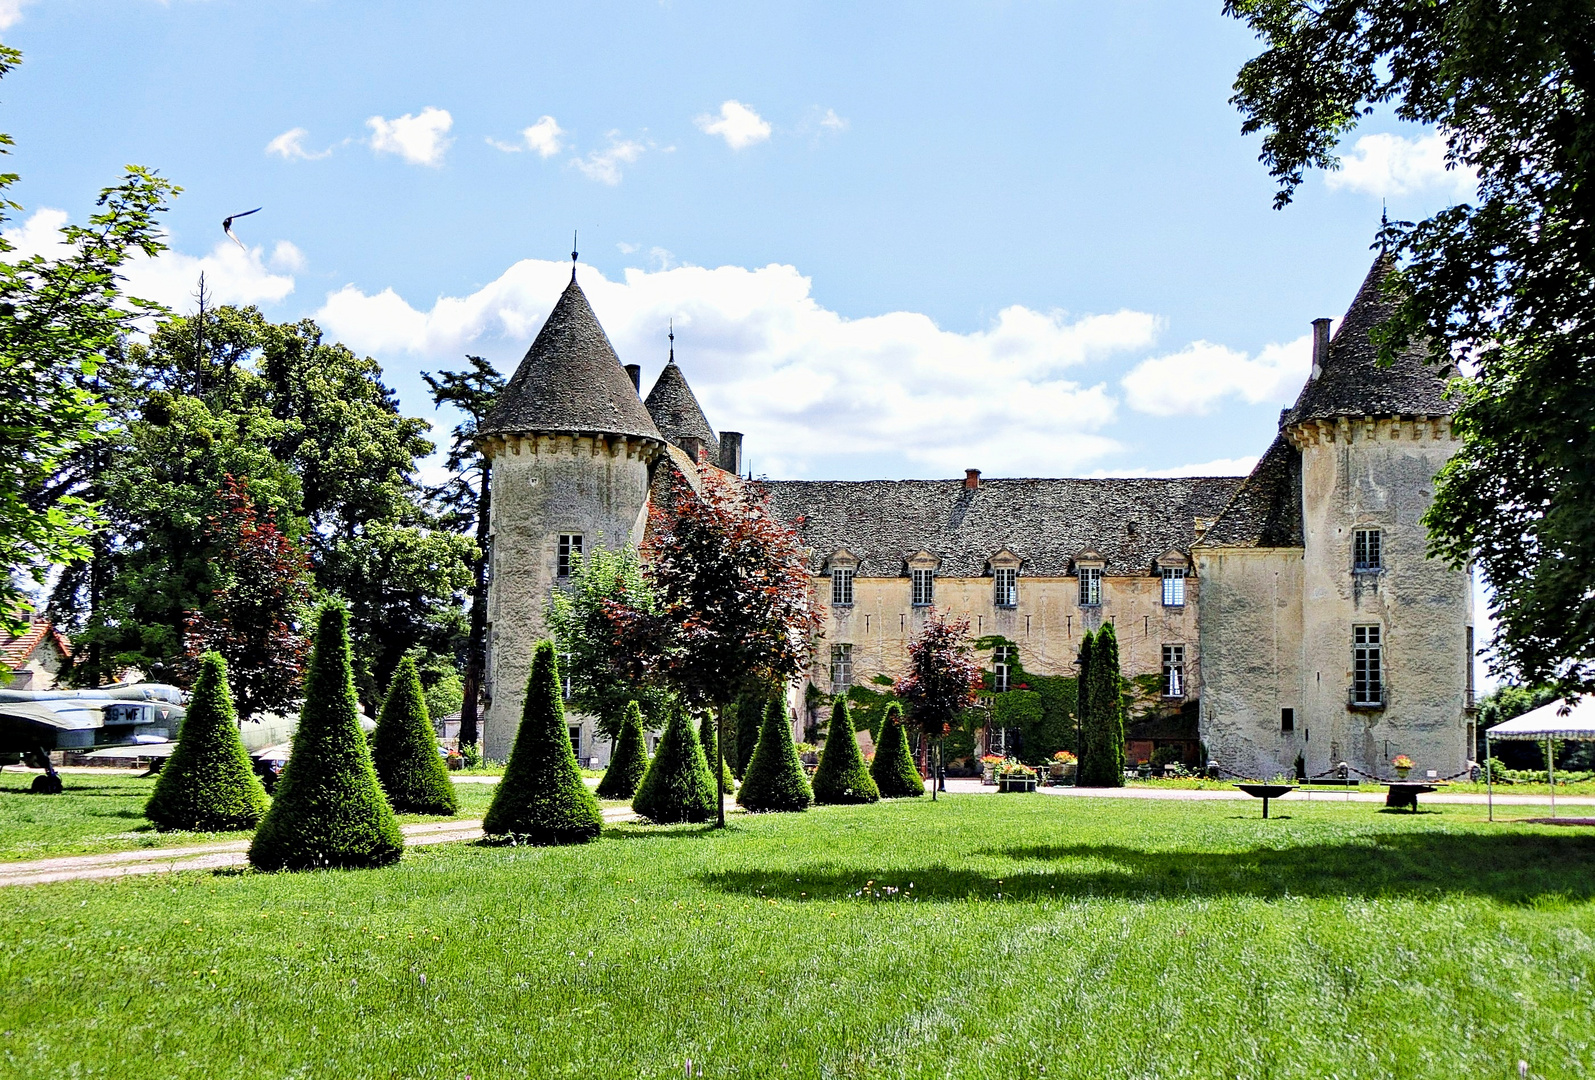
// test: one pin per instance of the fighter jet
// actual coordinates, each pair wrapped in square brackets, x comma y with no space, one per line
[35,722]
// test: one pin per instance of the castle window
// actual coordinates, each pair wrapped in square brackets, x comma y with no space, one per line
[1367,550]
[570,550]
[924,586]
[841,668]
[1367,666]
[1090,586]
[576,739]
[1002,661]
[1174,671]
[841,585]
[1287,721]
[1174,586]
[1006,586]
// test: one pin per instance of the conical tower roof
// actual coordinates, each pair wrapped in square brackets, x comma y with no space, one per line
[570,380]
[675,409]
[1352,383]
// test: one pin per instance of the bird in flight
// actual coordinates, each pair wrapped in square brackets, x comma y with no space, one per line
[227,225]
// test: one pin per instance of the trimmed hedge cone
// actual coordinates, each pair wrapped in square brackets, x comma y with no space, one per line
[711,751]
[842,776]
[629,761]
[329,810]
[893,768]
[774,781]
[405,750]
[209,783]
[541,799]
[679,785]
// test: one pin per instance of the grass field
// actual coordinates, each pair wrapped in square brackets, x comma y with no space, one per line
[982,936]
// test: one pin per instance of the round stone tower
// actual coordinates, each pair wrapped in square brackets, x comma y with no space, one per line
[572,448]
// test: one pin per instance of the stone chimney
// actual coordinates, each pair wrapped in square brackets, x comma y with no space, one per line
[693,446]
[731,452]
[635,371]
[1320,345]
[971,479]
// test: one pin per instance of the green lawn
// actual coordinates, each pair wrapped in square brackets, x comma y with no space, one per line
[982,936]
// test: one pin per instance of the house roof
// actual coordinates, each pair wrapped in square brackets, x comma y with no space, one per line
[570,380]
[676,412]
[15,651]
[1046,523]
[1265,510]
[1352,383]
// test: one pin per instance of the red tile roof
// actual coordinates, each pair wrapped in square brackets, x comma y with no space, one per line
[15,651]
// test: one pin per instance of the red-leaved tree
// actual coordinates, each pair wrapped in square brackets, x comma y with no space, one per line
[942,678]
[255,618]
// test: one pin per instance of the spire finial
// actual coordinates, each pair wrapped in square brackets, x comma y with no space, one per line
[672,340]
[573,254]
[1384,225]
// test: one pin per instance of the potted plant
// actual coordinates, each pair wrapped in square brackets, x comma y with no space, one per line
[1064,765]
[1403,765]
[989,763]
[1015,776]
[1143,768]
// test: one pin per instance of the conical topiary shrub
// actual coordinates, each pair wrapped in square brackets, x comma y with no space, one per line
[749,717]
[328,810]
[404,750]
[711,750]
[842,776]
[774,781]
[678,785]
[629,761]
[893,768]
[542,799]
[208,784]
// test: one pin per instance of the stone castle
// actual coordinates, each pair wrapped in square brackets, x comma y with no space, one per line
[1286,616]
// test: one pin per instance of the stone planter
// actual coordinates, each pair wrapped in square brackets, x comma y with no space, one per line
[1016,783]
[988,774]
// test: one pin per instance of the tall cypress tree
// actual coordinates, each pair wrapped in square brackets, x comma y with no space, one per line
[629,761]
[774,781]
[711,753]
[542,799]
[405,750]
[208,784]
[1101,713]
[842,776]
[893,768]
[679,785]
[329,810]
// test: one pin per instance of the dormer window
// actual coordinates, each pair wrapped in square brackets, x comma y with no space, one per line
[841,586]
[1174,586]
[1088,565]
[1367,550]
[1004,579]
[924,579]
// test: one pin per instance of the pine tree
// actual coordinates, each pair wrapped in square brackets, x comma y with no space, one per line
[208,784]
[1102,713]
[711,750]
[679,785]
[842,776]
[1088,751]
[893,768]
[329,810]
[542,799]
[405,750]
[774,781]
[629,761]
[749,718]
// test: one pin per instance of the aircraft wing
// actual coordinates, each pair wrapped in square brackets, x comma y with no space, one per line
[63,715]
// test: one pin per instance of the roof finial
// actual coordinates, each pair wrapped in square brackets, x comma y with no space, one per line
[672,340]
[573,254]
[1384,224]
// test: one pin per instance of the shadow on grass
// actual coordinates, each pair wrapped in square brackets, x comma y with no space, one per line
[89,791]
[1511,868]
[645,830]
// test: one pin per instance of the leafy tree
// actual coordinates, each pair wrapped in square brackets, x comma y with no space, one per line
[328,809]
[62,319]
[467,498]
[404,750]
[254,619]
[711,752]
[732,587]
[629,761]
[209,783]
[893,768]
[607,669]
[1102,715]
[541,799]
[1506,280]
[774,780]
[942,681]
[842,776]
[679,784]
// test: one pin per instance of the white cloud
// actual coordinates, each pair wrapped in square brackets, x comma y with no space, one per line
[764,356]
[1201,375]
[604,165]
[290,145]
[11,12]
[1392,165]
[737,124]
[542,138]
[1240,466]
[286,256]
[421,139]
[831,122]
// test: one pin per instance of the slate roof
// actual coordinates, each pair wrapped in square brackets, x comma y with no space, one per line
[676,412]
[1131,522]
[570,380]
[1353,384]
[1266,509]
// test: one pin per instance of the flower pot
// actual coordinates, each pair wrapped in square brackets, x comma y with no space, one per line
[1016,783]
[988,774]
[1070,770]
[1402,771]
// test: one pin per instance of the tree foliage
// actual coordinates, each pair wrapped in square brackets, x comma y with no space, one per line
[608,669]
[943,677]
[1101,711]
[893,768]
[629,760]
[774,780]
[842,776]
[209,783]
[709,740]
[679,784]
[404,749]
[1505,281]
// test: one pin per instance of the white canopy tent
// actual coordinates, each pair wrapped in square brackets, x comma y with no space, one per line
[1553,721]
